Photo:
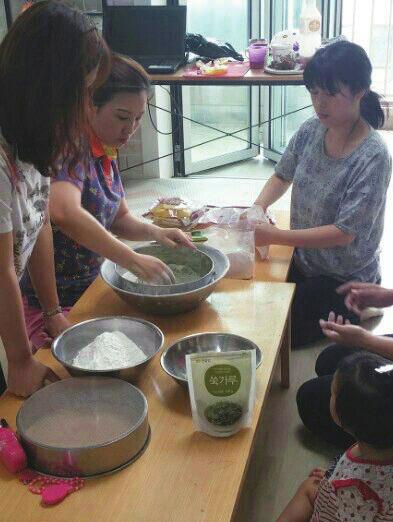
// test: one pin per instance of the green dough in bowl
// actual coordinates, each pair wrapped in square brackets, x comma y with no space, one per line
[184,273]
[187,265]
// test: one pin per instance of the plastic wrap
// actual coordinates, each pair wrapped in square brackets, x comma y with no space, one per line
[232,230]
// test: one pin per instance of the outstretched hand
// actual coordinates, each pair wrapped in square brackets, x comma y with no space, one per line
[344,333]
[359,296]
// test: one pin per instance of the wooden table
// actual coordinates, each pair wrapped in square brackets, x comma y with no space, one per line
[256,77]
[184,476]
[252,77]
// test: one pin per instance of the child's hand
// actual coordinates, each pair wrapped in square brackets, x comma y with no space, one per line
[309,488]
[347,334]
[358,296]
[318,473]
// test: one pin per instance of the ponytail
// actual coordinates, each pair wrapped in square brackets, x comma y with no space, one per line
[371,110]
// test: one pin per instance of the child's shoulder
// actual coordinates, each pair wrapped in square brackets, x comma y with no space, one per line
[362,485]
[350,500]
[351,466]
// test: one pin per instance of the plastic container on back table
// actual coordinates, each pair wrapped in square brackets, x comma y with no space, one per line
[309,37]
[256,53]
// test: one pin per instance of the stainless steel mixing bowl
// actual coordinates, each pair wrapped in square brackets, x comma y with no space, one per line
[169,304]
[173,360]
[145,335]
[84,426]
[200,262]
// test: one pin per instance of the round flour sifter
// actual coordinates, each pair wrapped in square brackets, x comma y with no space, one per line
[84,426]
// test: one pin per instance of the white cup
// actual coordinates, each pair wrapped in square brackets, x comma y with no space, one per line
[281,50]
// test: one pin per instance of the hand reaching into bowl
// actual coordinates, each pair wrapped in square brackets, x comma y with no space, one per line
[150,269]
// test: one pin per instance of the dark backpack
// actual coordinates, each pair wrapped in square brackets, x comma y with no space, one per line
[210,49]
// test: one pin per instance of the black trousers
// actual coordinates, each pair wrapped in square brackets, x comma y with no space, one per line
[314,298]
[313,397]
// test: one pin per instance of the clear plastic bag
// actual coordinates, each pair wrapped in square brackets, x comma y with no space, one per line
[175,212]
[232,230]
[239,246]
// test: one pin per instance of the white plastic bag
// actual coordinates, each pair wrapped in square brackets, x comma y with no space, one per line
[232,230]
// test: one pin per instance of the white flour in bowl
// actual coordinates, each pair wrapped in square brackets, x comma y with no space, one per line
[109,350]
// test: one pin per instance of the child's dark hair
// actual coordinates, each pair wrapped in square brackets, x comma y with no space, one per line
[126,75]
[348,64]
[364,398]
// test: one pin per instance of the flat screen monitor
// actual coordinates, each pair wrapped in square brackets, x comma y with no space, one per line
[139,31]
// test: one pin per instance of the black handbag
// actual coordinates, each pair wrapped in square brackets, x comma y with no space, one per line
[210,49]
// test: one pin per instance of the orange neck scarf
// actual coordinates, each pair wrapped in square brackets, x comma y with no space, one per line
[105,154]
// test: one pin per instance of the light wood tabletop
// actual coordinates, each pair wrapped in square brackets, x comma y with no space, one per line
[183,475]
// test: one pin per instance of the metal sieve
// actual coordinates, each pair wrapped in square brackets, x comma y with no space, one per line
[198,261]
[84,426]
[171,303]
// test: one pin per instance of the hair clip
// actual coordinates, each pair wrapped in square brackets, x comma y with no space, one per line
[386,368]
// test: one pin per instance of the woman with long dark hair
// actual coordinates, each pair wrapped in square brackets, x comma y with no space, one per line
[49,59]
[339,168]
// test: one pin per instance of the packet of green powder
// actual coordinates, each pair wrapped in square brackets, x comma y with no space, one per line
[222,390]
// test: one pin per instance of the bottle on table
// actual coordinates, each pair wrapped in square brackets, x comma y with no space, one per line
[309,29]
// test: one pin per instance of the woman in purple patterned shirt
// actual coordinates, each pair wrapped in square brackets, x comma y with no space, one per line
[88,208]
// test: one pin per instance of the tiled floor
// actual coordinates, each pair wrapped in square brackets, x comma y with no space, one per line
[255,168]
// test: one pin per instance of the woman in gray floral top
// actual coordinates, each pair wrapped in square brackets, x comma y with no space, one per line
[339,169]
